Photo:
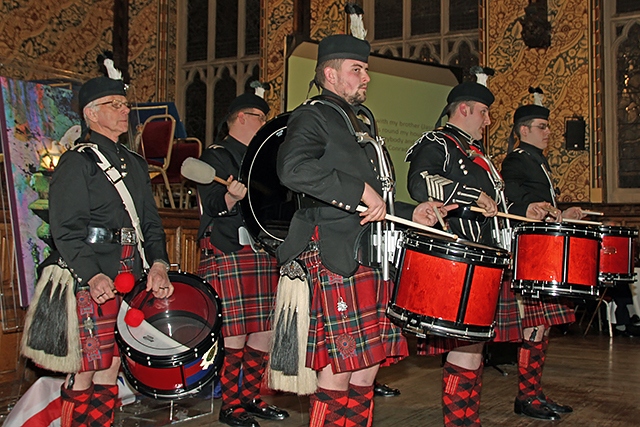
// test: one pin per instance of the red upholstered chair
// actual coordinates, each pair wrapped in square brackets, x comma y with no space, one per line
[156,145]
[182,148]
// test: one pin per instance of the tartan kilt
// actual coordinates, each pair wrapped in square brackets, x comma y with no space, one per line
[348,325]
[246,282]
[97,322]
[547,311]
[508,327]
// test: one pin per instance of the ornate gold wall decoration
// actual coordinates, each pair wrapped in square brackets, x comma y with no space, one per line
[327,17]
[47,38]
[562,71]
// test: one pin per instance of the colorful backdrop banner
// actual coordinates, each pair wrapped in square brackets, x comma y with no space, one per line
[38,124]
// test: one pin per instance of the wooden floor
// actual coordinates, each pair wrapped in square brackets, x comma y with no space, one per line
[598,376]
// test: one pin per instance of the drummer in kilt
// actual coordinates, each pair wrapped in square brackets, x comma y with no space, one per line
[350,336]
[245,277]
[88,223]
[527,178]
[447,165]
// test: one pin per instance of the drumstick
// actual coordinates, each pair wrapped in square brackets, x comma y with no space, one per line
[201,172]
[437,212]
[505,215]
[580,221]
[593,213]
[413,224]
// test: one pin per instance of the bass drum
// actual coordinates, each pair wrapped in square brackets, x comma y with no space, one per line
[268,206]
[177,349]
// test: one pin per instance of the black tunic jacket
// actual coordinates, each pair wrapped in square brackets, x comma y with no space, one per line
[322,159]
[225,158]
[526,174]
[81,196]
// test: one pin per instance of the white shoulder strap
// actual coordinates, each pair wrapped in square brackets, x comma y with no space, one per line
[116,179]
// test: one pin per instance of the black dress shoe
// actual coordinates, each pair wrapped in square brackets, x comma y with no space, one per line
[236,416]
[555,407]
[621,333]
[263,410]
[533,408]
[384,390]
[633,330]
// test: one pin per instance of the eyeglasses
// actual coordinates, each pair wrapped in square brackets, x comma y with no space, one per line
[116,104]
[260,117]
[541,126]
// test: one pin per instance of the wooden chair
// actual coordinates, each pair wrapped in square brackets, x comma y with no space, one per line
[156,145]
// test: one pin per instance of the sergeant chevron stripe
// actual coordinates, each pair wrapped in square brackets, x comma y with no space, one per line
[435,185]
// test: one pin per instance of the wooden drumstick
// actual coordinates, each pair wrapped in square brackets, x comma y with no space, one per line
[505,215]
[580,221]
[593,213]
[413,224]
[436,211]
[221,181]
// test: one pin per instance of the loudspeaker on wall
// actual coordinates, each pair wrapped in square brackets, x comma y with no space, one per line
[574,133]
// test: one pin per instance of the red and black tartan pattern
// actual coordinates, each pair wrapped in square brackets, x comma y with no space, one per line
[473,410]
[508,327]
[457,386]
[230,377]
[246,282]
[75,406]
[102,405]
[548,311]
[359,411]
[97,322]
[327,408]
[530,363]
[253,365]
[348,326]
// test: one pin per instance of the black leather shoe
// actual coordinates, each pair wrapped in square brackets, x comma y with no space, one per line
[236,416]
[528,408]
[261,409]
[384,390]
[555,407]
[633,330]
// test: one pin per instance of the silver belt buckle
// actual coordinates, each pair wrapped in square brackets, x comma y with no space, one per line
[128,236]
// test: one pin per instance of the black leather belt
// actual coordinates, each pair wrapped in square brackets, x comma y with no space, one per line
[121,236]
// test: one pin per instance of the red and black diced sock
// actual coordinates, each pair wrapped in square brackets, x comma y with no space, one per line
[328,408]
[530,360]
[473,410]
[457,383]
[75,405]
[253,365]
[359,411]
[103,403]
[230,378]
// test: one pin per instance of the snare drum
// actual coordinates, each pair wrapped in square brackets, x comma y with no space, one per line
[177,349]
[552,259]
[447,288]
[616,254]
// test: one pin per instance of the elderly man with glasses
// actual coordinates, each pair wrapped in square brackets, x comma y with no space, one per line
[88,219]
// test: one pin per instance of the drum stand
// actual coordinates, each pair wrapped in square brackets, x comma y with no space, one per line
[597,312]
[150,412]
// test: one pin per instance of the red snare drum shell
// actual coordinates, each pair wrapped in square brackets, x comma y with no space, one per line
[617,253]
[433,287]
[447,288]
[556,259]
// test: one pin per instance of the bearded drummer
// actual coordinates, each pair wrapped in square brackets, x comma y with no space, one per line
[448,165]
[350,336]
[527,177]
[244,275]
[95,236]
